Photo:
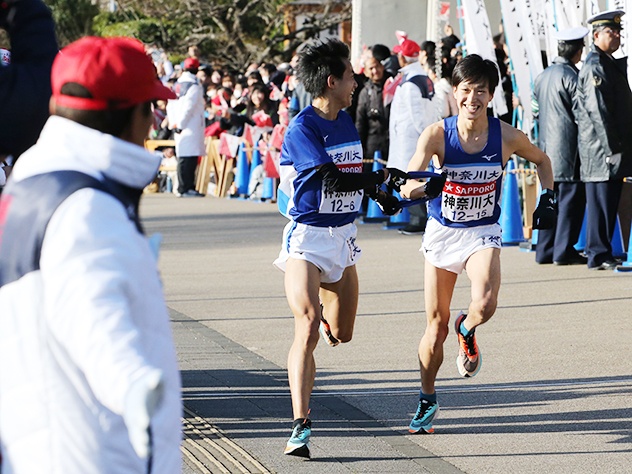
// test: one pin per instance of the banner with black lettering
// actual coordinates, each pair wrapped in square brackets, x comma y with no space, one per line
[524,50]
[550,27]
[478,40]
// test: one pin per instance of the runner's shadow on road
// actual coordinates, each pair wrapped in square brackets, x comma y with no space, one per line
[237,397]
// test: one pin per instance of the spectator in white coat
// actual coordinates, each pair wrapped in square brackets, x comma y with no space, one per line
[412,111]
[186,116]
[89,381]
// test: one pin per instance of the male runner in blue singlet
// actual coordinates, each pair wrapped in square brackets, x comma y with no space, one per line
[472,149]
[321,190]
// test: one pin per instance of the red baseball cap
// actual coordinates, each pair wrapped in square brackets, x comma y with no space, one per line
[191,63]
[408,48]
[117,72]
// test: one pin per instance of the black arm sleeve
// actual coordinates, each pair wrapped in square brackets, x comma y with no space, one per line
[337,181]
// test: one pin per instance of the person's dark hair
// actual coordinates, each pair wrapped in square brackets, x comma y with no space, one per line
[380,52]
[500,61]
[429,47]
[447,68]
[600,28]
[208,70]
[228,75]
[111,121]
[498,40]
[318,61]
[256,75]
[476,70]
[263,89]
[266,104]
[269,67]
[568,49]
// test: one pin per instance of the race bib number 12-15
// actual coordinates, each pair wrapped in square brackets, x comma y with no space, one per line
[468,202]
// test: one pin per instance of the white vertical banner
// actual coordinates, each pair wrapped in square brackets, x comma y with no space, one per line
[356,31]
[524,51]
[568,13]
[529,29]
[578,14]
[550,29]
[592,8]
[574,11]
[539,22]
[432,32]
[478,40]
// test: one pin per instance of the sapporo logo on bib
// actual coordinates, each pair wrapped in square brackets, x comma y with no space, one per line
[468,202]
[348,159]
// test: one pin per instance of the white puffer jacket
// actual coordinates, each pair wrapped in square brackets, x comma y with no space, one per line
[187,112]
[78,332]
[410,115]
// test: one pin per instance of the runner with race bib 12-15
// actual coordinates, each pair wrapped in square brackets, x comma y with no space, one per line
[471,151]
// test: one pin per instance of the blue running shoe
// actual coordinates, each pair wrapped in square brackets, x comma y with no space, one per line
[298,444]
[426,413]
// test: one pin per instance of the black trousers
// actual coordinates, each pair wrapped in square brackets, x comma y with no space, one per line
[557,244]
[186,173]
[602,199]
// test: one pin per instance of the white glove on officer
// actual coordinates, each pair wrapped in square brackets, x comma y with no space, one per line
[142,399]
[614,159]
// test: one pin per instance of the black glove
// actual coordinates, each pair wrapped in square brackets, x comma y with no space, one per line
[387,203]
[434,186]
[544,214]
[396,178]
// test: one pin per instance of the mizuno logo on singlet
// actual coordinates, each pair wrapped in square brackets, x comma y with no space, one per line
[489,157]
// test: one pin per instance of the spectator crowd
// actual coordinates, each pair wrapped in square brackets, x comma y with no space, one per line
[266,95]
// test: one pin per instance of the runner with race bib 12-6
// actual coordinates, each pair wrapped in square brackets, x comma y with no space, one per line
[321,190]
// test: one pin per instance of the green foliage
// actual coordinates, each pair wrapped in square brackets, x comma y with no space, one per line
[73,18]
[229,32]
[149,30]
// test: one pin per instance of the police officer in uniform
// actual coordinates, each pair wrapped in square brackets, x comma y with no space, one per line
[605,142]
[556,99]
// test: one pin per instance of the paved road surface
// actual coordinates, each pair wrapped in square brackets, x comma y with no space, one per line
[554,394]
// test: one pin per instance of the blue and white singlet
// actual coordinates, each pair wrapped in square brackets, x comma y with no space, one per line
[312,141]
[471,194]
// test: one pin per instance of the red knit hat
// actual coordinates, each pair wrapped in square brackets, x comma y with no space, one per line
[191,63]
[408,48]
[117,72]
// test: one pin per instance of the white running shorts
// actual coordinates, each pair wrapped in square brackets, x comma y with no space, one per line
[331,249]
[450,247]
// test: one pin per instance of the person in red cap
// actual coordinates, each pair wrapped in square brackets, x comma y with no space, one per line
[85,340]
[186,117]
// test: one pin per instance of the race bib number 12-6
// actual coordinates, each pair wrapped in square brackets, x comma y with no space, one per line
[340,203]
